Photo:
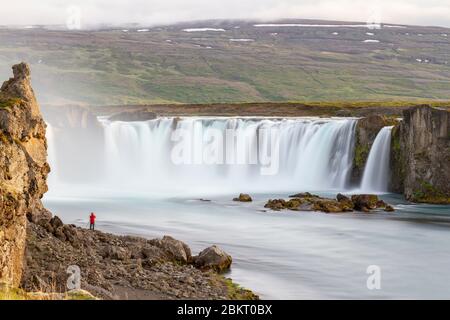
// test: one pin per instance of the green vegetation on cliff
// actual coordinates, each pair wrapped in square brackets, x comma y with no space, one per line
[361,154]
[7,102]
[397,162]
[427,193]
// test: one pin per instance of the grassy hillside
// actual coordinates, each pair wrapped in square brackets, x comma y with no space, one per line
[169,65]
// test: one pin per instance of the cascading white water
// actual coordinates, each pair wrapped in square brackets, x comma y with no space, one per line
[314,154]
[376,171]
[52,157]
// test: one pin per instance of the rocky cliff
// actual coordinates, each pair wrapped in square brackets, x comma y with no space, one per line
[420,161]
[23,169]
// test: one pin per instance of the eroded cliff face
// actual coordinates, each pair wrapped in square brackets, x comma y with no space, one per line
[420,161]
[23,169]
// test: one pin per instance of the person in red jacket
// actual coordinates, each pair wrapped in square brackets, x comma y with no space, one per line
[92,221]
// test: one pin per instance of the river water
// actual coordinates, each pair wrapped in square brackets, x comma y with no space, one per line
[293,255]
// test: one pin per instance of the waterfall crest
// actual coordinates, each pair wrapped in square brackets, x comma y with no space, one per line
[376,171]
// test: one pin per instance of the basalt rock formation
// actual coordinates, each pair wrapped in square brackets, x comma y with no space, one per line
[420,159]
[23,169]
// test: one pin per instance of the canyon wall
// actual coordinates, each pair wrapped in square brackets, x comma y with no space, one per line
[23,169]
[420,160]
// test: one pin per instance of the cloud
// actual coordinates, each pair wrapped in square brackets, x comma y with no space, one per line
[151,12]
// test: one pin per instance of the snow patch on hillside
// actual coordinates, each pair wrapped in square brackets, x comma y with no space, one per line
[203,30]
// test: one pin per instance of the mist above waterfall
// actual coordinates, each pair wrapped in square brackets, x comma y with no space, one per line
[137,157]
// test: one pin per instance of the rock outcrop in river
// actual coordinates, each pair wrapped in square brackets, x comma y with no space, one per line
[420,159]
[23,169]
[310,202]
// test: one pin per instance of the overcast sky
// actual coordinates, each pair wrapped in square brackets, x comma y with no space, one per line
[151,12]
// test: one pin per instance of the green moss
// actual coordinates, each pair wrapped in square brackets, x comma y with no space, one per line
[395,144]
[6,103]
[396,148]
[7,293]
[79,295]
[361,154]
[18,294]
[236,292]
[429,194]
[3,138]
[233,290]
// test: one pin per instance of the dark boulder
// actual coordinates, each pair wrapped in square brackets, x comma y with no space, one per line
[175,249]
[276,204]
[56,222]
[213,258]
[243,197]
[341,197]
[365,202]
[304,195]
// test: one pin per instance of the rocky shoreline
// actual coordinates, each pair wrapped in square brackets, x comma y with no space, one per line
[124,267]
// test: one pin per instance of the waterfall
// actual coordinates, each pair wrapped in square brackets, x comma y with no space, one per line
[52,157]
[314,154]
[376,171]
[262,155]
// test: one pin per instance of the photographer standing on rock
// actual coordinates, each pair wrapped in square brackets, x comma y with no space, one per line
[92,221]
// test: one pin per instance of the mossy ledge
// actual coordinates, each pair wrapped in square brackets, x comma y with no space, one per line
[8,102]
[427,193]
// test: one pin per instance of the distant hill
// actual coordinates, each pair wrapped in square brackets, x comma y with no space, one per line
[233,61]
